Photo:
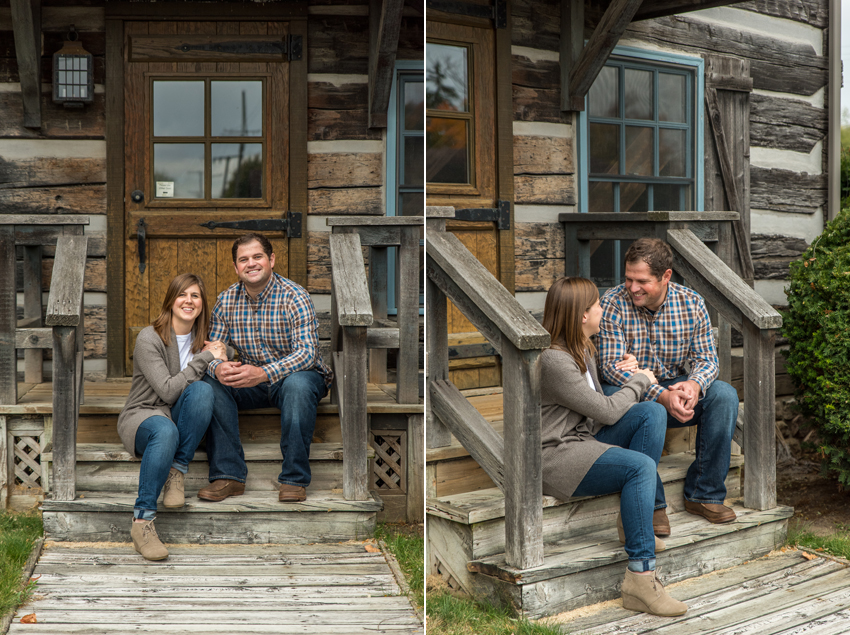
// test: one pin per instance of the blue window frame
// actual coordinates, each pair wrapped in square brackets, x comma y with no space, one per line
[640,143]
[405,160]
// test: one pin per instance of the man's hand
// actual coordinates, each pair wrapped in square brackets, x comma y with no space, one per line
[676,403]
[239,375]
[691,388]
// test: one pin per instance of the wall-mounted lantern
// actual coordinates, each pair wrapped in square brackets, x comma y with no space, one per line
[73,77]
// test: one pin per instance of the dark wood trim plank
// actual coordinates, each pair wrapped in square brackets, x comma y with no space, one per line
[384,29]
[26,23]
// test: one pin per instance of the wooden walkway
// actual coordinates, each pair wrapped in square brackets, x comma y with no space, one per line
[90,589]
[779,594]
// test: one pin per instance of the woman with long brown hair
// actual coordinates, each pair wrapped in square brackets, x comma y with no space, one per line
[168,410]
[595,444]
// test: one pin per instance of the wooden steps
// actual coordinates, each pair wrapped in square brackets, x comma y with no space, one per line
[783,593]
[584,561]
[255,517]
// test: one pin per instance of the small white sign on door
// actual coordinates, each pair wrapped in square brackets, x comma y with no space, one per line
[165,189]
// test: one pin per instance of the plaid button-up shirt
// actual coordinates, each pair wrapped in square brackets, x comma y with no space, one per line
[679,331]
[278,332]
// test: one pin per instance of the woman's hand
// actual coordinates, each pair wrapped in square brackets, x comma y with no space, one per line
[218,349]
[628,363]
[648,373]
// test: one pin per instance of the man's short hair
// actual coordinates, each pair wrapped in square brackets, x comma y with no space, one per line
[654,252]
[249,238]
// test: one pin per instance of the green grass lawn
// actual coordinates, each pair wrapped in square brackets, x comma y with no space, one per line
[408,546]
[18,534]
[449,614]
[835,544]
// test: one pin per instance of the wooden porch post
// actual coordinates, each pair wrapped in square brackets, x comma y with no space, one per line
[759,417]
[523,461]
[8,317]
[407,379]
[64,413]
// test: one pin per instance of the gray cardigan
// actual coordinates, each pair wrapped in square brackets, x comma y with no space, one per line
[158,382]
[571,414]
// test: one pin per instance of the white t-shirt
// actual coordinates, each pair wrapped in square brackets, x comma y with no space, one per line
[586,374]
[184,347]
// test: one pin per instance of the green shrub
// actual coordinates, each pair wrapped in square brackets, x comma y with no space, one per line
[817,325]
[845,169]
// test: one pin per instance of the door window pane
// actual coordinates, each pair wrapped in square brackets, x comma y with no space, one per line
[447,76]
[182,166]
[411,203]
[671,152]
[237,170]
[414,105]
[604,97]
[414,151]
[634,197]
[178,109]
[671,97]
[448,155]
[601,197]
[639,150]
[638,98]
[604,148]
[236,108]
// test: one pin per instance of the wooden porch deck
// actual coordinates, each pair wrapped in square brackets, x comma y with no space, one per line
[108,397]
[316,589]
[783,593]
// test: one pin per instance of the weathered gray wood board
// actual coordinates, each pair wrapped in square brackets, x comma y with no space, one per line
[218,589]
[696,548]
[758,589]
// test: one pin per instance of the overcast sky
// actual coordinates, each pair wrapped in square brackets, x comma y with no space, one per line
[845,56]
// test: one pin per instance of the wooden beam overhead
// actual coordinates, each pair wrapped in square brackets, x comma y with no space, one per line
[26,25]
[572,42]
[598,49]
[384,28]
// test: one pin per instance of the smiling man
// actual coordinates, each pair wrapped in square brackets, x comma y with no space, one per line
[666,325]
[271,322]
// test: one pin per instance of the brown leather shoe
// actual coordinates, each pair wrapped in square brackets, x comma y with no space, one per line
[220,489]
[291,493]
[660,523]
[712,512]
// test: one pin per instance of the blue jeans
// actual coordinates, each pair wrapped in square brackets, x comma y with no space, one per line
[714,415]
[632,470]
[164,443]
[296,396]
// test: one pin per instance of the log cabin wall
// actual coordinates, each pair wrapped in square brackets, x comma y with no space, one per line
[61,167]
[786,43]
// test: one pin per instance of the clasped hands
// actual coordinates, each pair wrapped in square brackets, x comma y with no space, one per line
[235,374]
[678,399]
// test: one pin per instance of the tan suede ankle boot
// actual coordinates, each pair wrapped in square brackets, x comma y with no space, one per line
[173,494]
[645,593]
[147,542]
[659,544]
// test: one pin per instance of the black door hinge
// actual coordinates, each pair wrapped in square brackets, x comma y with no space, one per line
[294,47]
[291,225]
[501,215]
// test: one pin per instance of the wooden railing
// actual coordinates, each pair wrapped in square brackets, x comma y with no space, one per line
[708,273]
[63,331]
[359,327]
[513,461]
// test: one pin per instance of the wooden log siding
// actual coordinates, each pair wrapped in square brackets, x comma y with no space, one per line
[786,124]
[773,254]
[539,255]
[536,90]
[776,64]
[543,170]
[787,191]
[812,12]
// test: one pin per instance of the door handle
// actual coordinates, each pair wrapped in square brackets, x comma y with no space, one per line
[140,232]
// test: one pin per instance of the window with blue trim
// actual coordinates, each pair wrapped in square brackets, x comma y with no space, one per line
[405,159]
[643,131]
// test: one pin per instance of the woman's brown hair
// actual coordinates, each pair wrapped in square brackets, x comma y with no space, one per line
[200,329]
[566,303]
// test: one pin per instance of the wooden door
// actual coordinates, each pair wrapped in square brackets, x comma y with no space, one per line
[461,169]
[206,143]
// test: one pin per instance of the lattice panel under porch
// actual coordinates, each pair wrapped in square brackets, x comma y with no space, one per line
[389,467]
[23,440]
